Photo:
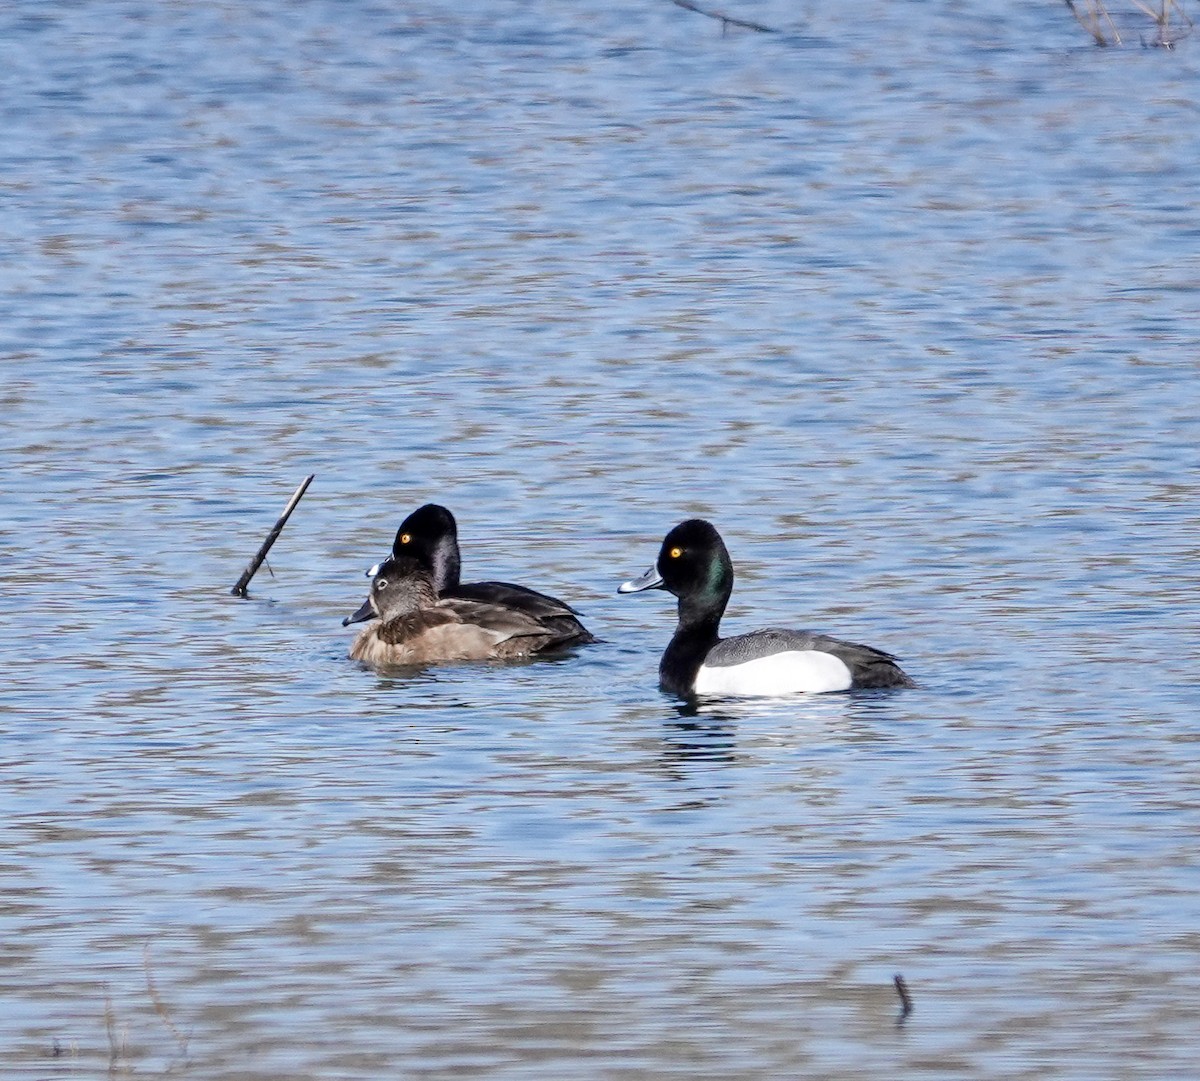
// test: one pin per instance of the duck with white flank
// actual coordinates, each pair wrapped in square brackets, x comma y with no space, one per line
[694,565]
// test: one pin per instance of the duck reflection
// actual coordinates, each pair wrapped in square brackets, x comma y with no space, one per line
[715,733]
[696,740]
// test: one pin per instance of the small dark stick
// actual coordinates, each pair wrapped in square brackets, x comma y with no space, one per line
[906,1003]
[726,21]
[239,590]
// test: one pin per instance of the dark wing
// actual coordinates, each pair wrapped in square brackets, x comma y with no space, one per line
[557,617]
[412,625]
[513,596]
[869,667]
[515,632]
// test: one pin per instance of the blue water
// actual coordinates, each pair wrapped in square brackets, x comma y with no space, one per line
[904,298]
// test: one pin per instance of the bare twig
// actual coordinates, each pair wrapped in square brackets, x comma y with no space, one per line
[726,21]
[906,1002]
[239,590]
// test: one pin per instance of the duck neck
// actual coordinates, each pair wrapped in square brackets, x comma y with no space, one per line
[697,632]
[447,565]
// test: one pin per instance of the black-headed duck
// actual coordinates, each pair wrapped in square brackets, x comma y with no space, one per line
[694,565]
[430,535]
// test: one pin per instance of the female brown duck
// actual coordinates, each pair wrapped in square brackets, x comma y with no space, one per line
[414,626]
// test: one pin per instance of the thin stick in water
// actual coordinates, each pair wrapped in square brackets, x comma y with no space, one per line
[906,1002]
[726,21]
[239,590]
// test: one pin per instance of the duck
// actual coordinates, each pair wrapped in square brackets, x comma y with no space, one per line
[430,535]
[693,564]
[412,625]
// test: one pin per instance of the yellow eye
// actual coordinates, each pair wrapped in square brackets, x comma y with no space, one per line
[405,538]
[676,553]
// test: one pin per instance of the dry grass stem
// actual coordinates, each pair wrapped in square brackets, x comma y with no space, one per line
[1169,18]
[1162,17]
[159,1008]
[118,1063]
[1097,16]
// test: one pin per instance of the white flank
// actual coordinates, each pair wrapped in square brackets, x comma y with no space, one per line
[796,671]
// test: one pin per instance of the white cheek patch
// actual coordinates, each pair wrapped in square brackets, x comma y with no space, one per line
[795,671]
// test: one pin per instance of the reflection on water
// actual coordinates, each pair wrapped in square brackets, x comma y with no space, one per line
[702,744]
[916,328]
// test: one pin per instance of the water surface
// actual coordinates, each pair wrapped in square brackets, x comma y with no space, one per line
[903,298]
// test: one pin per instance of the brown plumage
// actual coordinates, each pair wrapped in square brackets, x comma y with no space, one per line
[415,627]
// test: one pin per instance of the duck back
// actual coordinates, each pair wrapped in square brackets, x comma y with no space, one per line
[450,630]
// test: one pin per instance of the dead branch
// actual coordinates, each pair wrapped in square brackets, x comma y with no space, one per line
[726,21]
[239,590]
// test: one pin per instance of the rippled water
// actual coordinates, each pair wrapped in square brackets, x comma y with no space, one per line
[903,297]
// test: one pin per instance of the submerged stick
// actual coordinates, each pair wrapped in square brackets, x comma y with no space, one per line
[906,1003]
[239,590]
